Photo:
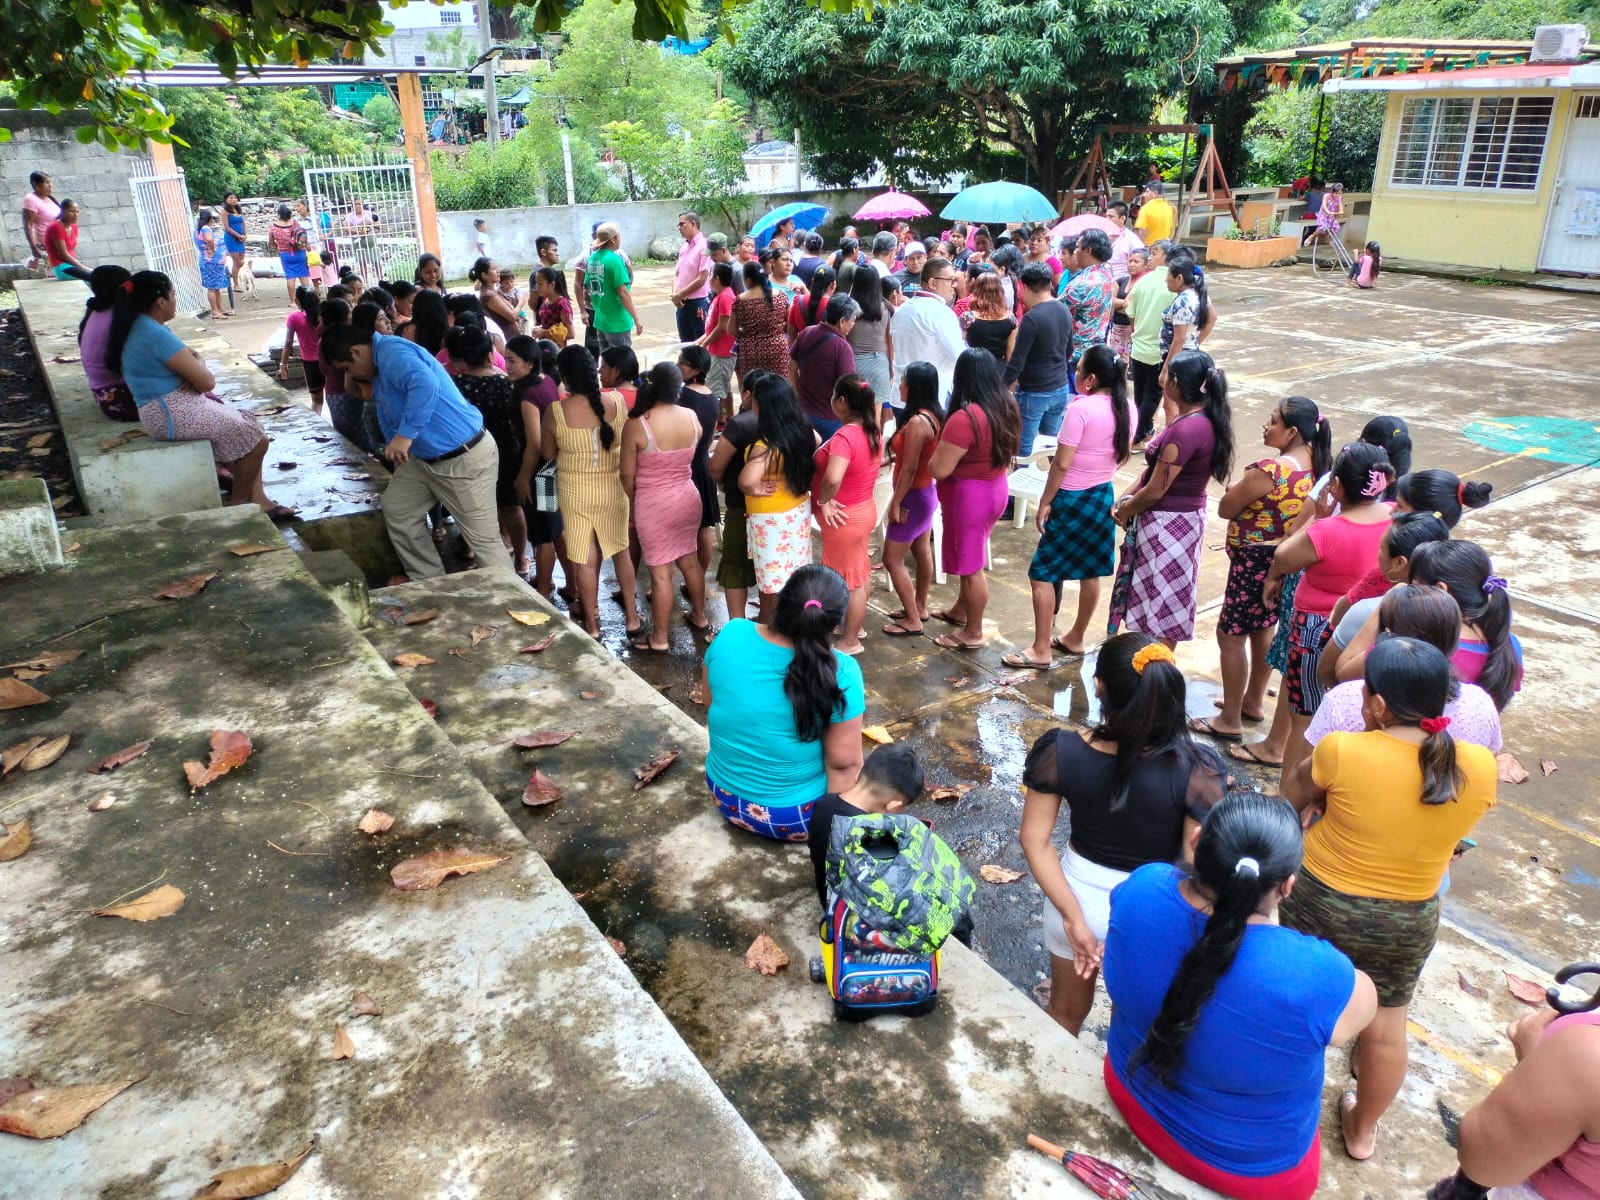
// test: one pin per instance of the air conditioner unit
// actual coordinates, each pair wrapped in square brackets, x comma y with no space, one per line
[1558,43]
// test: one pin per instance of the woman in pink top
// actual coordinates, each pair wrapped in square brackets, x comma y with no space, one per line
[1537,1136]
[1334,552]
[1077,537]
[39,210]
[110,390]
[304,326]
[658,448]
[847,471]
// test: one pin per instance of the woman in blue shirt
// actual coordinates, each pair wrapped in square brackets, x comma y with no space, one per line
[784,710]
[172,386]
[233,234]
[1221,1020]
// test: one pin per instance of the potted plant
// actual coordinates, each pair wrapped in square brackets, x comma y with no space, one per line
[1250,248]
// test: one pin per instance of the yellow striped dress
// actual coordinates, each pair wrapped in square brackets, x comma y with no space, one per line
[589,484]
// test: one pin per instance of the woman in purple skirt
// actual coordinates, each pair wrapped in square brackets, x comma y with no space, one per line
[911,508]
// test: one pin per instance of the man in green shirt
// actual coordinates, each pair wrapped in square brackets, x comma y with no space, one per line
[606,280]
[1147,302]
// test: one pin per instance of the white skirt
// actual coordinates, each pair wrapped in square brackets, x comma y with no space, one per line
[1091,884]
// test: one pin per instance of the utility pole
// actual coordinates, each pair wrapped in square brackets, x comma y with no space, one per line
[491,102]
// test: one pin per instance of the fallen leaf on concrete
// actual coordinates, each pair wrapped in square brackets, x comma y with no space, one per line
[120,759]
[356,477]
[958,681]
[241,1183]
[123,439]
[1511,771]
[588,695]
[427,871]
[482,633]
[251,548]
[49,1112]
[181,589]
[540,646]
[766,956]
[530,616]
[1525,989]
[230,748]
[943,795]
[13,1086]
[10,758]
[1548,767]
[374,820]
[393,614]
[64,358]
[652,770]
[413,660]
[697,694]
[16,694]
[456,651]
[49,660]
[29,674]
[60,502]
[618,945]
[72,549]
[877,733]
[15,840]
[429,707]
[541,738]
[102,802]
[273,410]
[43,755]
[40,439]
[1470,988]
[421,617]
[343,1047]
[363,1005]
[996,874]
[40,452]
[541,790]
[152,906]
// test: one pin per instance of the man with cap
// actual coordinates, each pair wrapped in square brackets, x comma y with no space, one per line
[1157,219]
[717,248]
[691,291]
[580,267]
[607,282]
[910,275]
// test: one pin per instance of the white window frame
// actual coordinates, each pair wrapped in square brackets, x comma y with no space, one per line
[1478,145]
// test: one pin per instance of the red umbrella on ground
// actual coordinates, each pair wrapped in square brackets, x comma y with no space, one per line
[1099,1176]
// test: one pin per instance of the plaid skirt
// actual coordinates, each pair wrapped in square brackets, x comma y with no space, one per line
[1156,580]
[1080,538]
[1243,613]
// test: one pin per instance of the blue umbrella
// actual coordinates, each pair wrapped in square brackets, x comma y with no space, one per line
[804,216]
[998,203]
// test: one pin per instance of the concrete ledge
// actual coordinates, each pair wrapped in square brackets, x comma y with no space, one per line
[514,1057]
[343,581]
[28,537]
[930,1108]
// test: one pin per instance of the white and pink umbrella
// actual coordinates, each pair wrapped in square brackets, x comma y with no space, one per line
[892,206]
[1084,222]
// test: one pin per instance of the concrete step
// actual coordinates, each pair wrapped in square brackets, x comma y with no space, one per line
[513,1047]
[934,1107]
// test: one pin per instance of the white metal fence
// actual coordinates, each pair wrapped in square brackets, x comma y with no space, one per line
[366,214]
[166,227]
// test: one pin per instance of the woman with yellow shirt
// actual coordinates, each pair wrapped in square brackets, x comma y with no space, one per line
[776,481]
[1395,800]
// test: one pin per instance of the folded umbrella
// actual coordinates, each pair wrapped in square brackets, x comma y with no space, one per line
[1099,1176]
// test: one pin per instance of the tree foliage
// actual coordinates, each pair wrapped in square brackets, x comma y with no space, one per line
[702,161]
[1279,138]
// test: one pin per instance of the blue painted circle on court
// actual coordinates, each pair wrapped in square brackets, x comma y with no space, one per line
[1551,439]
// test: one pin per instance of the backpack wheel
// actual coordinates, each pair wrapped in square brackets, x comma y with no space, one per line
[818,974]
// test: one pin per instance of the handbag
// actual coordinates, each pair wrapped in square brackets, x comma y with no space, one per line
[313,259]
[544,488]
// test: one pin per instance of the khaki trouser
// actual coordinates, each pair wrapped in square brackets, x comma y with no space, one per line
[463,484]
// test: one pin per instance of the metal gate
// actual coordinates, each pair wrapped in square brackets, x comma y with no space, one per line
[366,215]
[166,227]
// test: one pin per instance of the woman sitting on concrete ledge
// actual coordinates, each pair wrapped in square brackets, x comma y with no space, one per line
[94,331]
[172,385]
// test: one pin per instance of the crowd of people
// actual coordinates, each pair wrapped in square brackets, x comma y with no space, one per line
[815,399]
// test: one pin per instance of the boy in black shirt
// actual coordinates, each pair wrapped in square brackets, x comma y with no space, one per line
[890,779]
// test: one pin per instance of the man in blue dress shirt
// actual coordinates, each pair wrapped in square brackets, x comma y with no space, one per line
[437,443]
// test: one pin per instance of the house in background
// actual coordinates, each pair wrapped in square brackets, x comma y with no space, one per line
[1495,168]
[416,24]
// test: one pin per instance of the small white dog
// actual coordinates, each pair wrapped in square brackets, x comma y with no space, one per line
[247,280]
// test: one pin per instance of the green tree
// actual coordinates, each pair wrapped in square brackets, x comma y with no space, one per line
[1278,138]
[702,160]
[385,114]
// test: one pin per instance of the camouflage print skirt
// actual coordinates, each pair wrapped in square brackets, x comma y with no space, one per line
[1388,939]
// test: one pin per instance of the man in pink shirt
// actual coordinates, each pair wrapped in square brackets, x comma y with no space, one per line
[1124,243]
[691,280]
[38,210]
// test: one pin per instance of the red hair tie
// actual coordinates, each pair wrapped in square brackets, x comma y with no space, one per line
[1433,725]
[1461,492]
[127,285]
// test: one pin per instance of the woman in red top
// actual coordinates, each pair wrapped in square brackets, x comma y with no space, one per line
[979,438]
[847,472]
[911,508]
[1334,552]
[61,244]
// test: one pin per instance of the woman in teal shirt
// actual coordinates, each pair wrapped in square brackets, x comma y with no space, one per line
[785,710]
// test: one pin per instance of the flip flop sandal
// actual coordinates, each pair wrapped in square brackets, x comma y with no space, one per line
[895,629]
[943,614]
[1022,662]
[643,645]
[1204,725]
[282,512]
[1057,644]
[1244,716]
[900,614]
[950,642]
[1241,752]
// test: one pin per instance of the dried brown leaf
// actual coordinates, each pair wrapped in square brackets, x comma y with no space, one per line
[618,945]
[363,1005]
[102,802]
[697,694]
[421,617]
[122,439]
[41,439]
[230,748]
[47,660]
[252,548]
[11,757]
[16,694]
[64,358]
[374,820]
[180,589]
[1525,989]
[393,614]
[877,733]
[541,790]
[152,906]
[766,956]
[652,770]
[343,1047]
[43,755]
[540,646]
[482,633]
[413,660]
[29,674]
[944,795]
[998,874]
[49,1112]
[1510,770]
[530,616]
[542,738]
[459,650]
[1548,767]
[427,871]
[958,681]
[242,1183]
[1470,988]
[12,1086]
[588,695]
[120,759]
[15,840]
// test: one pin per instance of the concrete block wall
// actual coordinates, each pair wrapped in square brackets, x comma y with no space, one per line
[93,176]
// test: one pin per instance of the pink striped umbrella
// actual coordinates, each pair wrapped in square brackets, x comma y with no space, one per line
[892,206]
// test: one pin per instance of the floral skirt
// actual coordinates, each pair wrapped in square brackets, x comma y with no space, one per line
[780,544]
[1243,613]
[184,415]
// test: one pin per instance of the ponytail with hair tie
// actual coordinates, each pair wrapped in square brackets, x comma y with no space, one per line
[1432,725]
[1494,584]
[1247,866]
[1154,652]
